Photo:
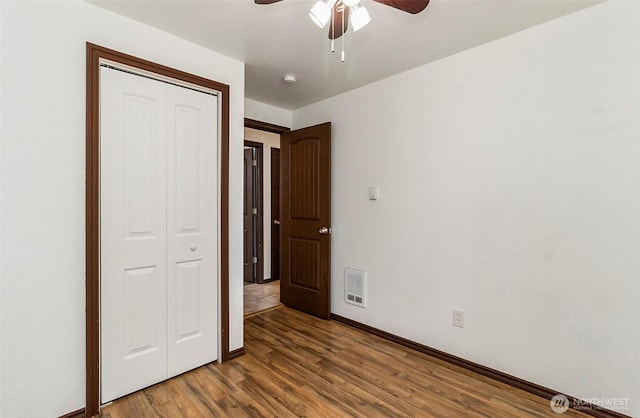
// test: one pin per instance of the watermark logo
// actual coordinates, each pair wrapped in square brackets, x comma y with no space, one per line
[559,404]
[614,404]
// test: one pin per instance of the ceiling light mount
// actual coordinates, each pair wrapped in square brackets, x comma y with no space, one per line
[289,79]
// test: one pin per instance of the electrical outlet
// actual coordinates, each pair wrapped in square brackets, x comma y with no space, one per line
[458,318]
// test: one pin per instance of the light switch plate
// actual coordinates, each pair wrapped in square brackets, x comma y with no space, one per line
[458,318]
[374,193]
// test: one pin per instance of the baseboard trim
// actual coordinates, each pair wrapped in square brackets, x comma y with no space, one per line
[80,413]
[235,353]
[543,392]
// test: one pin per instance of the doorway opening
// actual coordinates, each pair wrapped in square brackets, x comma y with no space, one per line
[253,251]
[303,216]
[261,217]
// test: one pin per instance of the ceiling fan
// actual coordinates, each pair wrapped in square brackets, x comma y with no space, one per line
[339,12]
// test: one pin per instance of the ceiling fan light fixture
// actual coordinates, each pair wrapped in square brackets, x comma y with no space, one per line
[359,17]
[320,13]
[342,13]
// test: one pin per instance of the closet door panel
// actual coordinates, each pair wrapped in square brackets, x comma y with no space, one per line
[133,233]
[192,219]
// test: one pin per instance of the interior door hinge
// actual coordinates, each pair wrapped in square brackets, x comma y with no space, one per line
[255,260]
[255,211]
[254,163]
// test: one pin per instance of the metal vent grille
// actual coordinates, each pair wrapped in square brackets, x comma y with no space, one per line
[355,281]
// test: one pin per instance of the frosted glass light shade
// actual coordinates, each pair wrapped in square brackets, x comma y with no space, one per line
[320,13]
[359,17]
[351,3]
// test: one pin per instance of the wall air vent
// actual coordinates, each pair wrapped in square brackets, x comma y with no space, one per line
[355,281]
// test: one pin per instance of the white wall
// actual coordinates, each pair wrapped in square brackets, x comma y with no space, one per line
[270,140]
[1,229]
[267,113]
[43,180]
[509,182]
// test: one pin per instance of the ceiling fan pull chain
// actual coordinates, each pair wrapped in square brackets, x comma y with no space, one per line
[344,32]
[333,33]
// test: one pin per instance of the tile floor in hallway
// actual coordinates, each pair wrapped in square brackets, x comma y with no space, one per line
[259,297]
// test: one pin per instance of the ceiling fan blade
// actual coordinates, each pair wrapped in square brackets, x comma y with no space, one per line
[266,1]
[340,25]
[409,6]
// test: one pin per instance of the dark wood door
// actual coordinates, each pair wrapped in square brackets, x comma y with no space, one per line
[248,233]
[275,213]
[305,224]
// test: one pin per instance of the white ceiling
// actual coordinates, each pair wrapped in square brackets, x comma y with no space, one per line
[278,39]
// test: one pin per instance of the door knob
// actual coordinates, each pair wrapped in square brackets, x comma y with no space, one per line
[325,231]
[276,222]
[193,247]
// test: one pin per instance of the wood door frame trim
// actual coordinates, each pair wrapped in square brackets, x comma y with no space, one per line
[275,227]
[265,126]
[92,206]
[260,186]
[516,382]
[236,353]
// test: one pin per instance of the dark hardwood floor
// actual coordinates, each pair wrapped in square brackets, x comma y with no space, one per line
[297,365]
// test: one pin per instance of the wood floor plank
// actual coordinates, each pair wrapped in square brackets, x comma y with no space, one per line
[202,395]
[312,377]
[300,366]
[164,404]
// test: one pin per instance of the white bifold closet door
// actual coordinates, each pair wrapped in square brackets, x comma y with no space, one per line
[158,217]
